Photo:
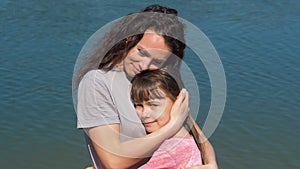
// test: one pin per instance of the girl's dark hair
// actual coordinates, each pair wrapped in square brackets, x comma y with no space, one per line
[145,86]
[114,46]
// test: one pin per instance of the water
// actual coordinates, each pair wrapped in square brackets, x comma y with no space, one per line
[258,44]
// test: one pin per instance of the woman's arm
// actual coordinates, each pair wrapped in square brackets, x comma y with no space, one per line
[116,154]
[207,151]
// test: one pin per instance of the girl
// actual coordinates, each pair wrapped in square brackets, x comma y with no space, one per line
[153,93]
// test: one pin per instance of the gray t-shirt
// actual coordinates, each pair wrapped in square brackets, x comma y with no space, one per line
[103,99]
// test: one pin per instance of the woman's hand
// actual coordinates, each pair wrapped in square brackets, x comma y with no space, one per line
[180,110]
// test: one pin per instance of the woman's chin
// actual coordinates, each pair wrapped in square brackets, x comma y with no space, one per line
[130,74]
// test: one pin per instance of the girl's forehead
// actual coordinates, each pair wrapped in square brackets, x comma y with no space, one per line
[156,93]
[149,94]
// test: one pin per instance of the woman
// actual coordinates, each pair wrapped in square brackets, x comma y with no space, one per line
[150,39]
[153,93]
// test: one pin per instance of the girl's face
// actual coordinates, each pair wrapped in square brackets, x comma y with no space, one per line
[149,53]
[154,113]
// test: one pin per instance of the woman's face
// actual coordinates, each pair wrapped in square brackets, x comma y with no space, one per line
[155,113]
[149,53]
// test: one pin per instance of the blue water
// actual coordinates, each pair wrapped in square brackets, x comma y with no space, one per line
[258,44]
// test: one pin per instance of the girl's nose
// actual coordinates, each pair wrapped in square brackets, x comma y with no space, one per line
[146,112]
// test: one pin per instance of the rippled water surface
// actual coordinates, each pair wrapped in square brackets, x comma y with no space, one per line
[258,44]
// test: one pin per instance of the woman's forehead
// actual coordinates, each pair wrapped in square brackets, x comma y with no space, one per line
[154,43]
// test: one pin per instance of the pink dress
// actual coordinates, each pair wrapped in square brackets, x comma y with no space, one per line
[174,153]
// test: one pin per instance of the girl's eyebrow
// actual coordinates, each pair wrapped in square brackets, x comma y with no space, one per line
[154,100]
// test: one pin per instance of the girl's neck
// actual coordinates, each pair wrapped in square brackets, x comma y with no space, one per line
[182,133]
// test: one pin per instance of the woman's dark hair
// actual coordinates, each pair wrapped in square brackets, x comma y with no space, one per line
[130,30]
[145,86]
[114,46]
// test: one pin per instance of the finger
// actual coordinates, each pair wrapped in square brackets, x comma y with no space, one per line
[186,96]
[183,92]
[180,98]
[185,102]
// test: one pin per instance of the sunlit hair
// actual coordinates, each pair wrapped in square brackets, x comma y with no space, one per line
[149,84]
[114,46]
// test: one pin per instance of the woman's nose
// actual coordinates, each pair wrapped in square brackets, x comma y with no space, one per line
[145,63]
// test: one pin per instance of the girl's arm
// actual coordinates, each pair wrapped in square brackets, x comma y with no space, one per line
[116,154]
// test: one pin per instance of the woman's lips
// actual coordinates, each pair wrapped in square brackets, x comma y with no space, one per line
[136,70]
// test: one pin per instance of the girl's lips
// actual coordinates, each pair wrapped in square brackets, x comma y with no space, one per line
[149,123]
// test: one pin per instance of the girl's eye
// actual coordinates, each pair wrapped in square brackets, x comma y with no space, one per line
[138,105]
[154,104]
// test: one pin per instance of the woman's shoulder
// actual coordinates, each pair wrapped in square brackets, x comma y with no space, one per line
[93,72]
[102,77]
[93,76]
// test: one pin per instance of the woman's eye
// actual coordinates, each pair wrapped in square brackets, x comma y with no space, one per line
[157,62]
[142,52]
